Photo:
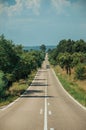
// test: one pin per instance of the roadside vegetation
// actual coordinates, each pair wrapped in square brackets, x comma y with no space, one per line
[17,69]
[69,62]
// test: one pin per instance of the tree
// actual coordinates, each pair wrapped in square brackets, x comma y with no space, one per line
[78,57]
[3,84]
[8,56]
[65,61]
[77,49]
[43,48]
[16,64]
[80,71]
[53,56]
[80,46]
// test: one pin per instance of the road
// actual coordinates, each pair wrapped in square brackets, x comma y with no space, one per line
[44,106]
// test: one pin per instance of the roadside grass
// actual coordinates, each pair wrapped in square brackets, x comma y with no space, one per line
[73,86]
[17,89]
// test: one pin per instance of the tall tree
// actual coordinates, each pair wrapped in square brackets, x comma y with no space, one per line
[65,61]
[43,48]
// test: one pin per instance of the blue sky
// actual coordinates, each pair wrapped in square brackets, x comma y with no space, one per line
[36,22]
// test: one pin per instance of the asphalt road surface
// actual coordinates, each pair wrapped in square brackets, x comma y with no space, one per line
[44,106]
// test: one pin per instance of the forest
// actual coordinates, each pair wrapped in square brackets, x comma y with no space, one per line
[16,64]
[70,54]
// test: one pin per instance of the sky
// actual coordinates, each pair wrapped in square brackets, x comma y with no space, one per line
[36,22]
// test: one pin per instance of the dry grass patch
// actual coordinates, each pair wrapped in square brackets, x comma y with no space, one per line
[71,78]
[77,88]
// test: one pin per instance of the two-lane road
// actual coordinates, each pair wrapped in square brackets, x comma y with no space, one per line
[44,106]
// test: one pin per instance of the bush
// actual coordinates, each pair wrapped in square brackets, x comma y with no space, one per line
[10,79]
[3,84]
[80,72]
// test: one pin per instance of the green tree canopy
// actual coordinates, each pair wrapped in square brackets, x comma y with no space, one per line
[65,61]
[3,84]
[43,48]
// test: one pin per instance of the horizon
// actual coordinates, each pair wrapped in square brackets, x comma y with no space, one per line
[38,45]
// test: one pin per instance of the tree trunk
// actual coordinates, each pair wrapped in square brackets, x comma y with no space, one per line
[66,70]
[69,71]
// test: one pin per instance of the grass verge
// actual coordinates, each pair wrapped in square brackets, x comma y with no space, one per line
[17,89]
[72,87]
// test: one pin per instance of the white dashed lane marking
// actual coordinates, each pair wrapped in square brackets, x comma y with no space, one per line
[41,111]
[49,112]
[48,104]
[51,128]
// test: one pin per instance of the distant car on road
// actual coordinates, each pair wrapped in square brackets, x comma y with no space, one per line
[47,66]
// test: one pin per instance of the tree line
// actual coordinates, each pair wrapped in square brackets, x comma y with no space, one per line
[70,54]
[15,63]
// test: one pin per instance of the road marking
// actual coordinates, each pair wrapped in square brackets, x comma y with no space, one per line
[48,103]
[50,112]
[41,111]
[84,108]
[10,104]
[51,128]
[45,113]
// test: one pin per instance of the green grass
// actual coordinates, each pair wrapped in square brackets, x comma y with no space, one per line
[17,89]
[78,93]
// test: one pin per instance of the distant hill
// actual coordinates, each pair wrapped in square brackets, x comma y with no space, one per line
[37,47]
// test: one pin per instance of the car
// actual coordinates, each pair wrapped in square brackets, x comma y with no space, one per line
[47,66]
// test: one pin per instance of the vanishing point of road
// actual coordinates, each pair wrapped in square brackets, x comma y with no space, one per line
[44,106]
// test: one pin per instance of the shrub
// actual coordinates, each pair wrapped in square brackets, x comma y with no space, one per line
[3,84]
[10,79]
[80,72]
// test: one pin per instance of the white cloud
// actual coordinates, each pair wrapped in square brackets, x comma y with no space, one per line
[60,5]
[33,4]
[17,8]
[21,5]
[11,9]
[1,8]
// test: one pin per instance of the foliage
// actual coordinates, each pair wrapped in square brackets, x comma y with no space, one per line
[16,64]
[3,83]
[17,89]
[68,54]
[80,72]
[65,61]
[66,46]
[78,57]
[43,48]
[53,56]
[71,46]
[8,57]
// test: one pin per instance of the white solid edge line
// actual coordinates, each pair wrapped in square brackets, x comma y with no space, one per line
[9,105]
[68,93]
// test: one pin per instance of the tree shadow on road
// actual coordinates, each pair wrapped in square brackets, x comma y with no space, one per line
[39,79]
[35,94]
[27,96]
[39,84]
